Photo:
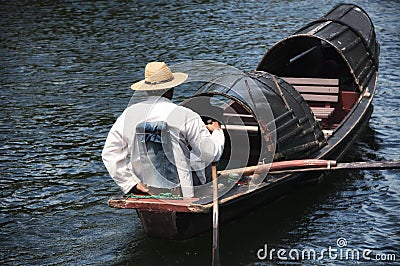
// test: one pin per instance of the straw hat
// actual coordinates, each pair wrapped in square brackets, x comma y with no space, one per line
[158,76]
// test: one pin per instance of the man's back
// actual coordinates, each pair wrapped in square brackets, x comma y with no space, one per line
[185,127]
[121,153]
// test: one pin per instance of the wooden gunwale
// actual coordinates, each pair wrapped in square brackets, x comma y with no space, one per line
[188,205]
[182,219]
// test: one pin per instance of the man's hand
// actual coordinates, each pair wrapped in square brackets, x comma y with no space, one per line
[214,125]
[141,187]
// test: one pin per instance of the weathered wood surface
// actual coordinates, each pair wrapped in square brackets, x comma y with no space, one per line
[333,166]
[312,81]
[317,90]
[162,205]
[276,166]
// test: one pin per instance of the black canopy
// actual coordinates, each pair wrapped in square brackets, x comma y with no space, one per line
[342,44]
[264,110]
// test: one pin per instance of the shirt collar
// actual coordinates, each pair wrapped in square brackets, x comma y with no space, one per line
[157,99]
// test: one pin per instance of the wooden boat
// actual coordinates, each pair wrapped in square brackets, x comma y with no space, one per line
[313,98]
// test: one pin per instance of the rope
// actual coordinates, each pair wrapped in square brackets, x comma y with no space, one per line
[159,196]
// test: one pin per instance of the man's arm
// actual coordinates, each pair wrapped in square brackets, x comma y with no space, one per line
[217,135]
[114,157]
[205,146]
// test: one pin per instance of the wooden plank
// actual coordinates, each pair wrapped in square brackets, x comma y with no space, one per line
[311,81]
[320,98]
[322,109]
[322,112]
[241,128]
[345,166]
[322,115]
[327,132]
[317,89]
[185,205]
[276,166]
[237,115]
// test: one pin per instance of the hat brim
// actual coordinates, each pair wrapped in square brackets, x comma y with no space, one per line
[179,78]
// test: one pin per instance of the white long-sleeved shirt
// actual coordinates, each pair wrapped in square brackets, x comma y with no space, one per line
[121,153]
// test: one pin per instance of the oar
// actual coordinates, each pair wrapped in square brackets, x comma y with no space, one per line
[308,165]
[383,165]
[215,250]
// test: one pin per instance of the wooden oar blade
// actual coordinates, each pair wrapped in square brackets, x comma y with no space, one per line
[382,165]
[311,165]
[369,165]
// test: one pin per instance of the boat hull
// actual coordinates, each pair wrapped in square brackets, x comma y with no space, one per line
[183,219]
[185,225]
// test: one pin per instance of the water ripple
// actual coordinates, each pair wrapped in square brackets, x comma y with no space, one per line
[65,77]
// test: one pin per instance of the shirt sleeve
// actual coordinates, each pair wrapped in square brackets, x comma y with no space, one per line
[218,138]
[205,146]
[114,158]
[198,165]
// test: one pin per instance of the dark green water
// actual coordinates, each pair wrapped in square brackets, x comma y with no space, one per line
[66,68]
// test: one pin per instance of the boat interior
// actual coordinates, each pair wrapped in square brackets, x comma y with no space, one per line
[324,70]
[319,73]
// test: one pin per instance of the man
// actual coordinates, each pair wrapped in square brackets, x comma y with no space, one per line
[123,153]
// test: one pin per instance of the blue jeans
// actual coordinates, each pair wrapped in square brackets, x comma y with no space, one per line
[156,155]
